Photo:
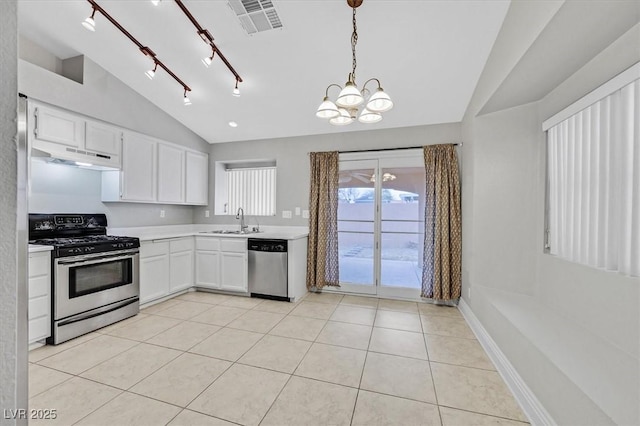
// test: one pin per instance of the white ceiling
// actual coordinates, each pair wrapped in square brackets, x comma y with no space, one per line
[427,54]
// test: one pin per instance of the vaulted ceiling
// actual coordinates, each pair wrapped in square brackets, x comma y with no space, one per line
[427,54]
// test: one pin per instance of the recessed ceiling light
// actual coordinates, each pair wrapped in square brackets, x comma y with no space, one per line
[233,124]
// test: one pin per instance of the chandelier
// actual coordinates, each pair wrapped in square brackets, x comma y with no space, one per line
[347,105]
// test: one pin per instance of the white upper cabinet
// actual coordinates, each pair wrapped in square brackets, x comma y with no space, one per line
[53,125]
[155,171]
[197,187]
[72,137]
[171,174]
[138,168]
[103,138]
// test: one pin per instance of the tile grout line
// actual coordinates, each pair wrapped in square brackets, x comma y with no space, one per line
[294,370]
[267,333]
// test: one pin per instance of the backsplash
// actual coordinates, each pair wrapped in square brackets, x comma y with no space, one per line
[58,188]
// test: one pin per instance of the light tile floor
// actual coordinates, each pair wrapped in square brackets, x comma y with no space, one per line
[210,359]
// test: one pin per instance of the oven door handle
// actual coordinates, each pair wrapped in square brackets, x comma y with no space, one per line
[93,261]
[100,311]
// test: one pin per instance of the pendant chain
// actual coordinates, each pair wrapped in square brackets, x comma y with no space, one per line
[354,41]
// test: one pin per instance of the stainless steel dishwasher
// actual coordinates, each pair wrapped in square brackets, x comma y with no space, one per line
[268,269]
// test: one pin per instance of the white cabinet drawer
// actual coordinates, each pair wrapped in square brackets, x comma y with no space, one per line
[207,243]
[39,328]
[233,245]
[39,307]
[153,248]
[182,244]
[39,286]
[39,264]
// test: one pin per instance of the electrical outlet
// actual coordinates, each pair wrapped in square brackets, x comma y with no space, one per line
[305,214]
[286,214]
[206,213]
[162,213]
[297,211]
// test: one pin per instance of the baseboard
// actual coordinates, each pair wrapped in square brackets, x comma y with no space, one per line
[531,406]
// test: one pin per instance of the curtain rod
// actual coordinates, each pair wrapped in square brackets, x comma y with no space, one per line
[389,149]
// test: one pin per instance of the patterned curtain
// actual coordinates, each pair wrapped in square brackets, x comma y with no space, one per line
[322,257]
[442,271]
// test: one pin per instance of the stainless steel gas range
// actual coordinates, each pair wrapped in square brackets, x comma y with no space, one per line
[95,276]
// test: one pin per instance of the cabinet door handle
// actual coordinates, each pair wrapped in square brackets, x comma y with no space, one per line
[35,127]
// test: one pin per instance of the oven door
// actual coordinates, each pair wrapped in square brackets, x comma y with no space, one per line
[87,282]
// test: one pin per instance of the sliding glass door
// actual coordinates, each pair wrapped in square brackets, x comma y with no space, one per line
[381,225]
[356,226]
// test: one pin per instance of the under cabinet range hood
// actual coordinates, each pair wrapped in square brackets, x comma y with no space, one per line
[74,159]
[65,137]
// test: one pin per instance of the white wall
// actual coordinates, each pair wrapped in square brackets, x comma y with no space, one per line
[570,331]
[13,361]
[291,155]
[102,96]
[57,188]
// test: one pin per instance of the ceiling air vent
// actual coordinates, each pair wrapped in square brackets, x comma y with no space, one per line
[256,15]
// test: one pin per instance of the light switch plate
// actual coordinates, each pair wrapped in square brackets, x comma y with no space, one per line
[286,214]
[297,211]
[305,214]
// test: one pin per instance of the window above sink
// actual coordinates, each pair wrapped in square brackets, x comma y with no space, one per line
[247,184]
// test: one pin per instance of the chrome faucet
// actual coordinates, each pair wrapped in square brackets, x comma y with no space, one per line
[240,215]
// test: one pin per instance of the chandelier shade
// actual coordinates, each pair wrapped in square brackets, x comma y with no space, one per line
[369,117]
[327,109]
[350,96]
[379,101]
[348,103]
[342,119]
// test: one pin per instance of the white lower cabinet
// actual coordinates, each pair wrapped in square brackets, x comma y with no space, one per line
[221,263]
[180,264]
[166,267]
[154,270]
[208,262]
[208,269]
[233,264]
[39,296]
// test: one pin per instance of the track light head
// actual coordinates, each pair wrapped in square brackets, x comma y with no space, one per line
[152,73]
[206,61]
[90,23]
[186,101]
[155,2]
[236,91]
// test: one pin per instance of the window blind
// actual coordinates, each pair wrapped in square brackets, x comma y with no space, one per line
[253,189]
[594,183]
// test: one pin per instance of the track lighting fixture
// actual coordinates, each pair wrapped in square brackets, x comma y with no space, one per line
[208,59]
[186,99]
[236,91]
[152,73]
[206,36]
[90,23]
[155,2]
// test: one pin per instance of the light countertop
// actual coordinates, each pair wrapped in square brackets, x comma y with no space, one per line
[34,248]
[149,233]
